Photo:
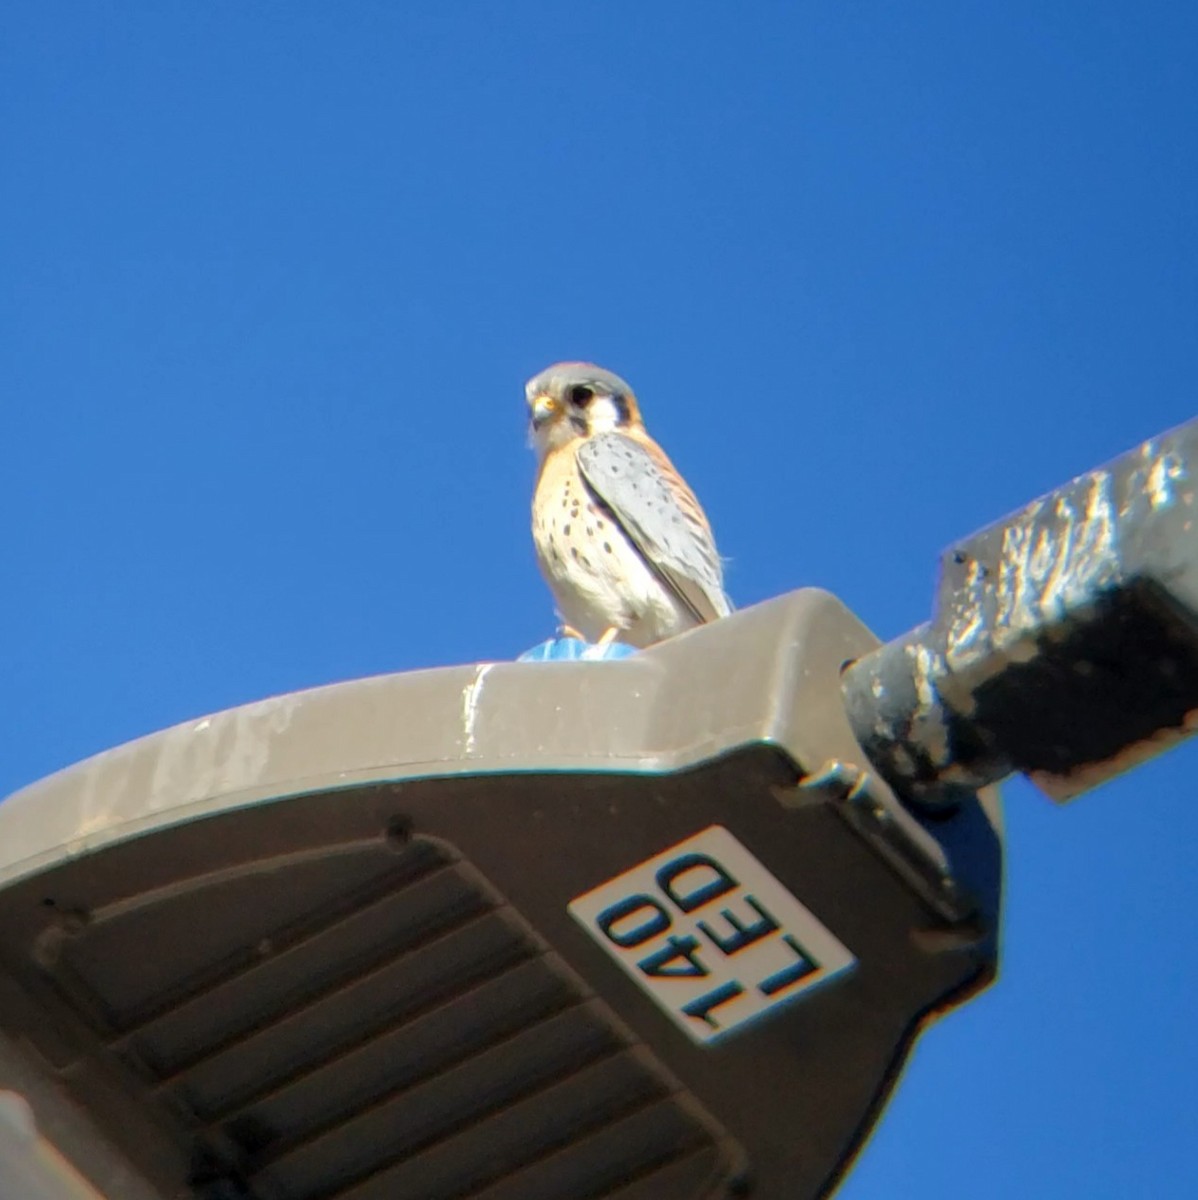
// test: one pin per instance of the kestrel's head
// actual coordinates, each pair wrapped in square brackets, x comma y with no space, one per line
[575,400]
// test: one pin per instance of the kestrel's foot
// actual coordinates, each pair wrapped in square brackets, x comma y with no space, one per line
[568,631]
[850,780]
[609,635]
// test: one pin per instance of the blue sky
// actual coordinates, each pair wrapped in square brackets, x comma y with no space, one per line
[274,275]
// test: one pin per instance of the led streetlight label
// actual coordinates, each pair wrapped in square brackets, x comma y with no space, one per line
[710,934]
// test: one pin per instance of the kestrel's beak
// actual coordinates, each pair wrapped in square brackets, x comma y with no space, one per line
[544,408]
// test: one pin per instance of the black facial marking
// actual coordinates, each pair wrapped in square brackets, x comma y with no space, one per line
[581,395]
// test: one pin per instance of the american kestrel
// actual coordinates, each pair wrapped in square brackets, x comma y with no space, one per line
[620,538]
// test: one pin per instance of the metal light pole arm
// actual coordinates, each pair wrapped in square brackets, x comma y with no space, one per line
[1064,641]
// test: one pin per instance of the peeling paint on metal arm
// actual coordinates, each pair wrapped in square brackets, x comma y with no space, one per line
[1055,558]
[1165,470]
[928,724]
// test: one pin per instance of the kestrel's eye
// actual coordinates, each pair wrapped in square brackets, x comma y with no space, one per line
[581,395]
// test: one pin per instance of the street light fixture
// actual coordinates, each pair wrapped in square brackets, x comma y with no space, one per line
[647,929]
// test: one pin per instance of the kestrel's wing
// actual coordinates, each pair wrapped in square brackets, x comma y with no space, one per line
[662,520]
